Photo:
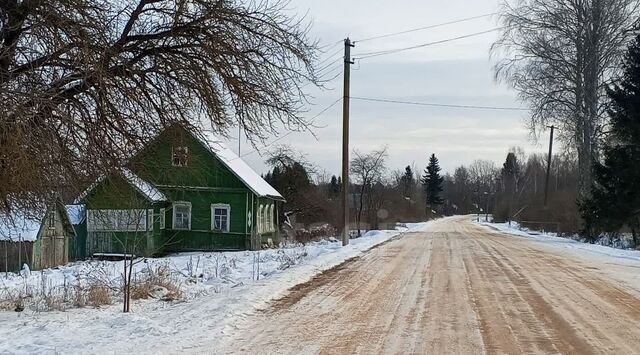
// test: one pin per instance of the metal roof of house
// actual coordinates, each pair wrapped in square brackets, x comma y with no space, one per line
[239,168]
[147,189]
[144,187]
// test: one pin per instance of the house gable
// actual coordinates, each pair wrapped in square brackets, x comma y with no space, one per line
[155,164]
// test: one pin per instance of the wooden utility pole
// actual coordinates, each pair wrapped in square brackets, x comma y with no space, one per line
[345,142]
[546,184]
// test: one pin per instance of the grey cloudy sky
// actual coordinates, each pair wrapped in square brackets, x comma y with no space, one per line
[457,72]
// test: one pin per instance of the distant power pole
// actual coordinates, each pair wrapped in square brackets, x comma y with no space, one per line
[546,184]
[345,142]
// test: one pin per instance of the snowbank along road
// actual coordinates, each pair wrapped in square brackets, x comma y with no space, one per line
[456,288]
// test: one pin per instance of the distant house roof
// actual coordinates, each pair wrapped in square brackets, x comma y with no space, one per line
[20,227]
[239,168]
[77,213]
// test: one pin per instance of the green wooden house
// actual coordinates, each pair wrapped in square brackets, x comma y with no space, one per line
[182,192]
[39,238]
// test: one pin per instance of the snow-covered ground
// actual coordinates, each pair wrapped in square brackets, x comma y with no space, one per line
[564,243]
[219,289]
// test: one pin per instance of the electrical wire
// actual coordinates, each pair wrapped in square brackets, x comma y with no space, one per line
[440,104]
[392,51]
[425,27]
[290,132]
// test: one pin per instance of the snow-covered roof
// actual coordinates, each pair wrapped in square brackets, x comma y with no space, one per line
[144,187]
[76,213]
[243,171]
[20,227]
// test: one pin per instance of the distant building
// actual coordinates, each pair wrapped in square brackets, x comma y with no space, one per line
[38,239]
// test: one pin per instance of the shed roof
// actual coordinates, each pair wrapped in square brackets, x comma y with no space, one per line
[25,225]
[20,226]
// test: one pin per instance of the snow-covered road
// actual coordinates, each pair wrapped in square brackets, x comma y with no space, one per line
[458,288]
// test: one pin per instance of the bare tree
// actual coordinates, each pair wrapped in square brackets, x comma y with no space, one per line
[367,169]
[560,55]
[83,83]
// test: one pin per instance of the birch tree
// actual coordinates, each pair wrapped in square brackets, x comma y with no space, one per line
[560,55]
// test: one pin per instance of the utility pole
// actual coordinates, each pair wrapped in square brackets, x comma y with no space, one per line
[239,134]
[345,142]
[546,184]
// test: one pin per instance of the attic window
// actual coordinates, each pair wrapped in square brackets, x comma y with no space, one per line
[179,156]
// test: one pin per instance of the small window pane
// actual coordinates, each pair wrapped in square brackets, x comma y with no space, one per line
[220,218]
[182,217]
[179,156]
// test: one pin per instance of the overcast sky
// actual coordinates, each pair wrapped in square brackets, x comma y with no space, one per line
[457,72]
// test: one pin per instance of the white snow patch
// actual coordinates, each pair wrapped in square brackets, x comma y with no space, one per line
[221,289]
[552,240]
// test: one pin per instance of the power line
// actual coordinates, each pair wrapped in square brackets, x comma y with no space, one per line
[425,27]
[291,132]
[331,56]
[440,104]
[391,51]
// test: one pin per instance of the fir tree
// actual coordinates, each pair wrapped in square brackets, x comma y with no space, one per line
[407,182]
[432,182]
[334,186]
[615,197]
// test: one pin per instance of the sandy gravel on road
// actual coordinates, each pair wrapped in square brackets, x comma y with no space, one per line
[454,289]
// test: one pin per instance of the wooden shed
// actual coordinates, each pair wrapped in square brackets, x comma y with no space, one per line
[38,239]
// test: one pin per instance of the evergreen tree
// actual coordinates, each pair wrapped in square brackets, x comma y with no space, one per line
[432,182]
[334,186]
[407,182]
[615,198]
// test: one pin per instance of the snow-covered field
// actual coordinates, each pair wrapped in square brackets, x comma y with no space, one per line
[218,290]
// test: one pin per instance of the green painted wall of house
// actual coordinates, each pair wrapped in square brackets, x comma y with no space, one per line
[154,163]
[202,182]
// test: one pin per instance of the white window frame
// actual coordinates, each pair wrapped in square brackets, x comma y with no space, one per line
[261,219]
[186,156]
[114,217]
[220,206]
[272,225]
[173,220]
[163,217]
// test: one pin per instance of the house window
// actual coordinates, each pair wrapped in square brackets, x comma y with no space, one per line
[162,218]
[117,220]
[179,156]
[182,215]
[220,215]
[261,219]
